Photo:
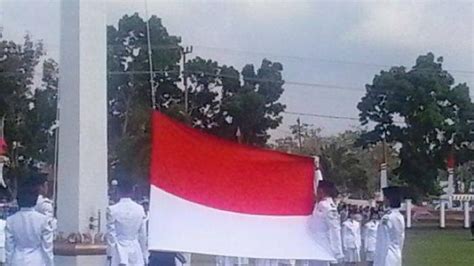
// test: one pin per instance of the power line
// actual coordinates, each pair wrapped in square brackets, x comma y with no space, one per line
[164,72]
[324,60]
[331,116]
[323,116]
[296,83]
[294,57]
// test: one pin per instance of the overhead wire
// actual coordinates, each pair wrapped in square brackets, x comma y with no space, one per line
[295,83]
[332,116]
[294,57]
[317,59]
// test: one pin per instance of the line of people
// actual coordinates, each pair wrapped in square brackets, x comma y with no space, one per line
[348,232]
[29,232]
[383,241]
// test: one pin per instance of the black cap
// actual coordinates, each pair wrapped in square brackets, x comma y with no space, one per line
[394,195]
[392,192]
[328,187]
[37,179]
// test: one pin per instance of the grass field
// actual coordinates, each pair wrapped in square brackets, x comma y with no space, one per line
[436,247]
[423,247]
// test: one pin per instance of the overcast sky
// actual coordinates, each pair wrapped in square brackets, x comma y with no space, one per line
[340,43]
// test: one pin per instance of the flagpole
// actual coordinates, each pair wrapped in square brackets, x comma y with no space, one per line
[150,58]
[55,160]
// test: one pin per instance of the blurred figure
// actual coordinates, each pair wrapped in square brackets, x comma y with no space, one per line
[391,231]
[351,238]
[366,213]
[370,238]
[39,181]
[231,261]
[472,230]
[29,234]
[266,262]
[344,212]
[3,224]
[126,230]
[162,258]
[326,223]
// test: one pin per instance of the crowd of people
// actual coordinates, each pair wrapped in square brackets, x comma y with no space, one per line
[359,231]
[351,233]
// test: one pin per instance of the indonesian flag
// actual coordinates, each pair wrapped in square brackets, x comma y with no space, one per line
[214,196]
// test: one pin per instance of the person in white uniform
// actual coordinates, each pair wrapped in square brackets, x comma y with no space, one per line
[43,204]
[370,238]
[391,231]
[28,233]
[3,223]
[351,239]
[126,230]
[325,222]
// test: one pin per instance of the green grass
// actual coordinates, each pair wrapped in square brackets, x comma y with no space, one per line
[436,247]
[423,247]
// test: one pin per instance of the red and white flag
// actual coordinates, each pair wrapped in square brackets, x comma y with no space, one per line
[214,196]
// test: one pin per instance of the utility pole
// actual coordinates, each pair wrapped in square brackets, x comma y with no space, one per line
[299,133]
[184,51]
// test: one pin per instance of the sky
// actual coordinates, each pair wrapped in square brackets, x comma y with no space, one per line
[329,49]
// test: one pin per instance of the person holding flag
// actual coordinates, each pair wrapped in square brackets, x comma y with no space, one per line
[326,223]
[126,229]
[391,231]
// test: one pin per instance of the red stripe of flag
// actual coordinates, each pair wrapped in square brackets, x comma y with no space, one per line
[224,175]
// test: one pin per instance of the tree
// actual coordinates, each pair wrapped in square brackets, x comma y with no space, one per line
[253,106]
[436,116]
[219,102]
[354,170]
[129,88]
[41,117]
[203,91]
[29,112]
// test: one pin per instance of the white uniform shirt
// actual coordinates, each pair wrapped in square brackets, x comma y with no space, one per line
[326,226]
[3,223]
[126,233]
[351,238]
[370,235]
[44,206]
[29,239]
[390,238]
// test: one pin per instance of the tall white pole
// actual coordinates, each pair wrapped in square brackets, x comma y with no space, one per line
[450,187]
[408,210]
[82,155]
[442,215]
[383,178]
[466,214]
